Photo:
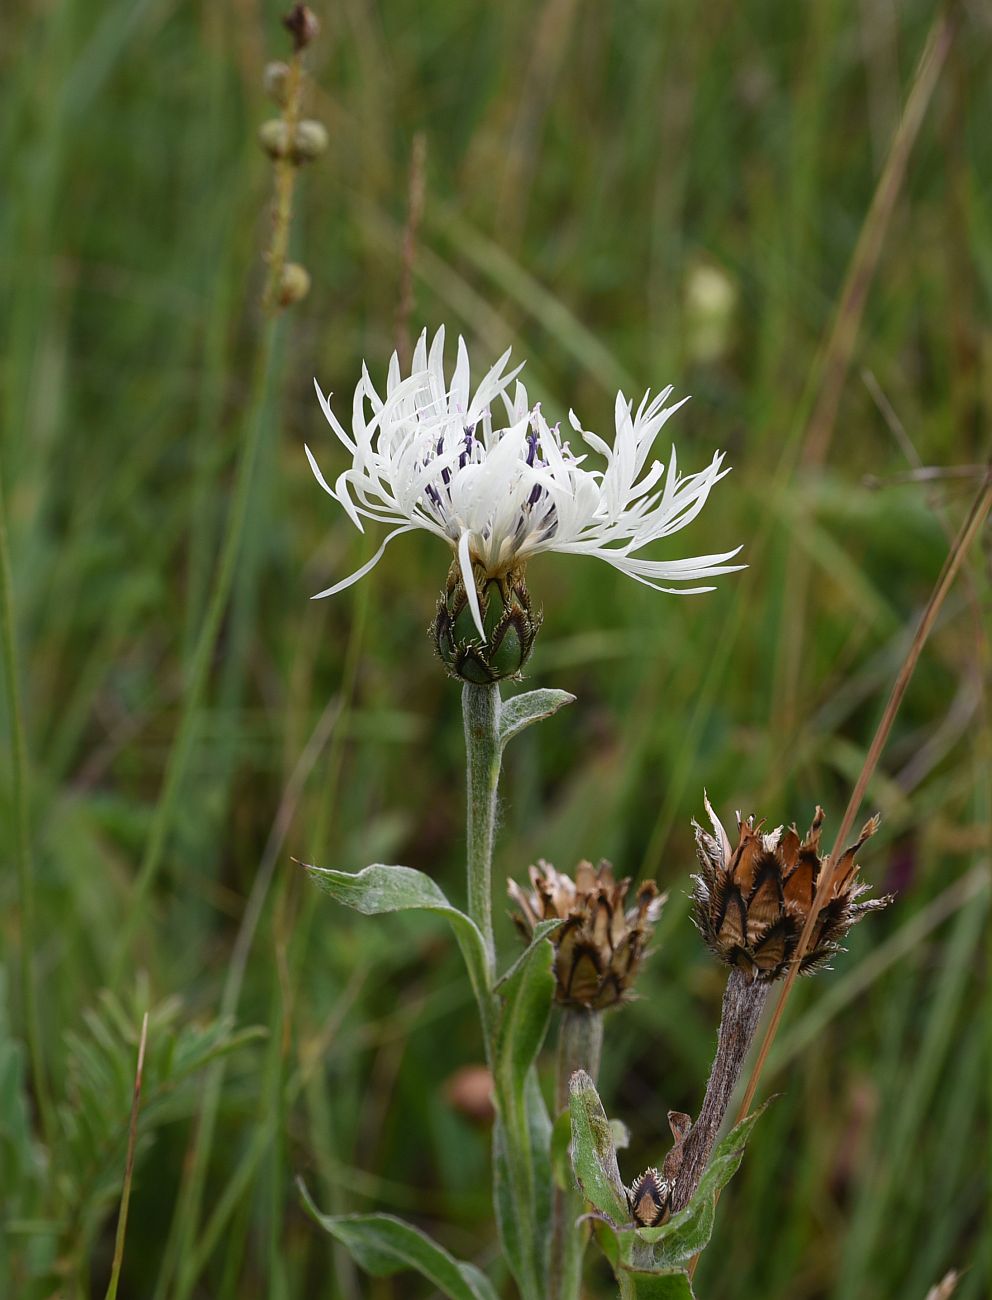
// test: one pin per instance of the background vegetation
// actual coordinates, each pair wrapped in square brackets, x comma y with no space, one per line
[629,194]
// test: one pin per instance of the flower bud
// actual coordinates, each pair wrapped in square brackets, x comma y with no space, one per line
[599,948]
[510,626]
[294,284]
[306,142]
[649,1196]
[276,82]
[310,140]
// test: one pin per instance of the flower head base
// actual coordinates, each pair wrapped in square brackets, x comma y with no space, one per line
[488,474]
[509,626]
[751,903]
[599,948]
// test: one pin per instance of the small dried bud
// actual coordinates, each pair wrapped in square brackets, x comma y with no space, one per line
[294,284]
[752,902]
[648,1197]
[306,142]
[276,82]
[301,23]
[510,624]
[599,949]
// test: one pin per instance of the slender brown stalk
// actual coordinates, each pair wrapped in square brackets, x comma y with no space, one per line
[835,359]
[956,557]
[286,169]
[132,1140]
[743,1002]
[861,271]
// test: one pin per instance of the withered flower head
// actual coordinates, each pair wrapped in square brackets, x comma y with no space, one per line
[752,902]
[600,947]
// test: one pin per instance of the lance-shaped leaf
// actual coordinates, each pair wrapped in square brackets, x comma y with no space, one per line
[542,931]
[594,1154]
[520,711]
[401,889]
[383,1245]
[522,1140]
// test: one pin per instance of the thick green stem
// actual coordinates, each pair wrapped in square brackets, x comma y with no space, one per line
[481,709]
[580,1043]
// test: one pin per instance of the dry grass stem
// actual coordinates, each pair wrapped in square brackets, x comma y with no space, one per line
[132,1139]
[956,557]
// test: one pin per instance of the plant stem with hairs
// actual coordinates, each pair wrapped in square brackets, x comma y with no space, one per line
[580,1044]
[743,1002]
[480,709]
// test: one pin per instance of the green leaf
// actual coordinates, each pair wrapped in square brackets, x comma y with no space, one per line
[520,711]
[380,889]
[383,1245]
[542,931]
[522,1140]
[594,1155]
[656,1286]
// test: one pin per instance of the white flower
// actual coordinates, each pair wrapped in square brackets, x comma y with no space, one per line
[432,455]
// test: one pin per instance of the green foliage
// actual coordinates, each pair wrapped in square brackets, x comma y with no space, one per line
[384,1245]
[522,1140]
[379,889]
[519,711]
[593,1153]
[645,1252]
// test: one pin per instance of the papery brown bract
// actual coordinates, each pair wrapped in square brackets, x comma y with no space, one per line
[751,903]
[600,946]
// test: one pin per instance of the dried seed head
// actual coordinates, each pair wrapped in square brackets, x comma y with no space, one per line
[752,902]
[647,1197]
[599,948]
[508,620]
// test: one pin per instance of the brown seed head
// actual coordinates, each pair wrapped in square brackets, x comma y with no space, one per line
[600,946]
[752,902]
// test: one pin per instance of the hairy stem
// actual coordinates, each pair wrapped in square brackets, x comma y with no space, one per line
[743,1001]
[481,708]
[580,1043]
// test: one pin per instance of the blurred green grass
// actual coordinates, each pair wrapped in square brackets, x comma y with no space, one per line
[586,164]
